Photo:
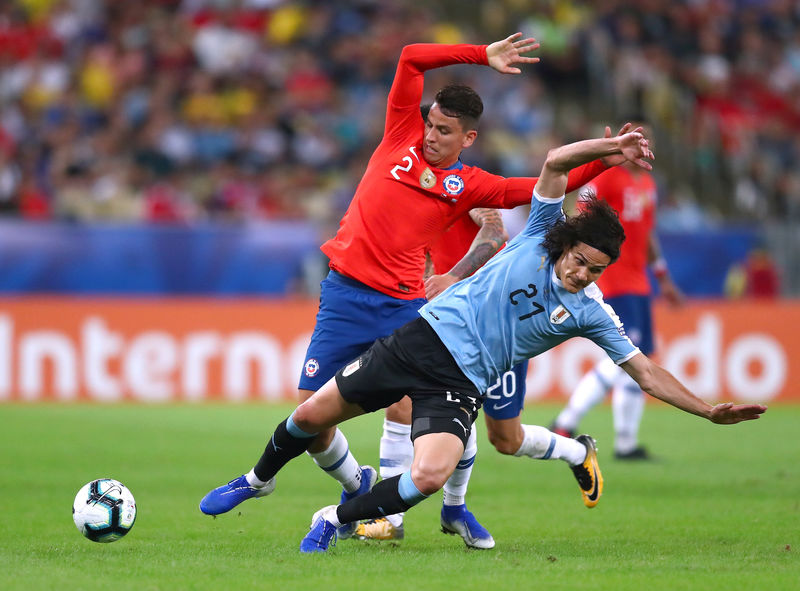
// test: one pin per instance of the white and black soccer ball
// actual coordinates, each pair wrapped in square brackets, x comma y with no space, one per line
[104,510]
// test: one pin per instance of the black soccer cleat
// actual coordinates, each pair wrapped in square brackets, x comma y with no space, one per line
[588,474]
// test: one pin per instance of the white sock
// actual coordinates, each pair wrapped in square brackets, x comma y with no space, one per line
[339,462]
[396,449]
[627,403]
[254,480]
[332,517]
[396,455]
[541,444]
[590,391]
[455,489]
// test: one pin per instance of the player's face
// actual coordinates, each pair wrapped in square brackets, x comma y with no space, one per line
[444,138]
[581,265]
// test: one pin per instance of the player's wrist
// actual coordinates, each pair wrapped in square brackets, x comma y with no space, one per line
[659,269]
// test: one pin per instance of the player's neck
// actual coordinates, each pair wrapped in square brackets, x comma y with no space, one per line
[444,165]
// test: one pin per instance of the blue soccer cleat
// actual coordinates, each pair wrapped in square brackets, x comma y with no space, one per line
[456,519]
[368,478]
[224,498]
[322,533]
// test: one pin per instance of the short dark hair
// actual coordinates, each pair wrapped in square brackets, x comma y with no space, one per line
[597,225]
[461,102]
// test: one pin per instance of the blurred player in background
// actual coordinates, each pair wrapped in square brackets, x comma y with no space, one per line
[631,191]
[414,187]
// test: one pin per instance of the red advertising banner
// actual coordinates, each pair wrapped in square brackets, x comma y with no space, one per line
[169,350]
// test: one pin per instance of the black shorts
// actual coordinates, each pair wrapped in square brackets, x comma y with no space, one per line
[413,361]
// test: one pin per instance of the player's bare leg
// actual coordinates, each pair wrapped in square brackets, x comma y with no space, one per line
[396,456]
[291,438]
[331,452]
[435,457]
[511,437]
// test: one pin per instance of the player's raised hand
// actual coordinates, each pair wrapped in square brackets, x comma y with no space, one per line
[729,413]
[616,159]
[635,148]
[502,55]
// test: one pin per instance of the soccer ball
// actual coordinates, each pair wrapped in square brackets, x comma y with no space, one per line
[104,510]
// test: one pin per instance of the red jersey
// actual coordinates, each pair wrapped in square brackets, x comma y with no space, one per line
[453,244]
[633,196]
[402,203]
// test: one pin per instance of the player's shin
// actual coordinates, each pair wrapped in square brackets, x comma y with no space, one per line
[287,442]
[389,496]
[541,444]
[338,462]
[396,455]
[627,403]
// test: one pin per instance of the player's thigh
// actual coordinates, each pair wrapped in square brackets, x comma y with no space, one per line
[400,412]
[349,320]
[325,409]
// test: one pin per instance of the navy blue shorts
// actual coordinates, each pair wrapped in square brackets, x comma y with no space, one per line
[634,312]
[351,317]
[505,399]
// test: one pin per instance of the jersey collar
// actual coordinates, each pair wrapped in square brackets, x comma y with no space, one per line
[457,165]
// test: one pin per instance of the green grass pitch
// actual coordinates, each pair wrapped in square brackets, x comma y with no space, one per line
[719,510]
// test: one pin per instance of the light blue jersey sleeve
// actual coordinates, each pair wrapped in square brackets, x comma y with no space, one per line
[544,213]
[606,330]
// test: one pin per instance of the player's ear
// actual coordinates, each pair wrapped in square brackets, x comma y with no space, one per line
[469,138]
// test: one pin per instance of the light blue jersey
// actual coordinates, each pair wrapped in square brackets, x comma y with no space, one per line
[515,308]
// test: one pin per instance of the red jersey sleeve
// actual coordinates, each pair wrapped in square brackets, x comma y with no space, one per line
[415,60]
[519,190]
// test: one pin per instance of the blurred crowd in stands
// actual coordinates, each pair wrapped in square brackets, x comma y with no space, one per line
[180,111]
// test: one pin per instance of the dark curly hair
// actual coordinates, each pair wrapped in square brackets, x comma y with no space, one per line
[461,102]
[597,225]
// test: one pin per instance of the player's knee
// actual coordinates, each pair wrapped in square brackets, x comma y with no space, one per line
[429,478]
[306,417]
[505,443]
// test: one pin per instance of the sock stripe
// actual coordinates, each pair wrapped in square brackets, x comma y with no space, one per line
[338,462]
[464,464]
[550,448]
[390,463]
[296,431]
[408,490]
[601,378]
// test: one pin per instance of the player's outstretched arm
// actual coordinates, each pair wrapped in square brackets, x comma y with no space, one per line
[661,384]
[552,182]
[503,55]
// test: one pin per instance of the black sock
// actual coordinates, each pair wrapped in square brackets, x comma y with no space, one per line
[282,447]
[384,499]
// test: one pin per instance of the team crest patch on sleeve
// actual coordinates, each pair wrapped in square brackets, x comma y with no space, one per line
[453,184]
[559,315]
[311,368]
[352,368]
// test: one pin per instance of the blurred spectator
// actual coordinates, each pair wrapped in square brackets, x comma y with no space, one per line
[756,277]
[136,110]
